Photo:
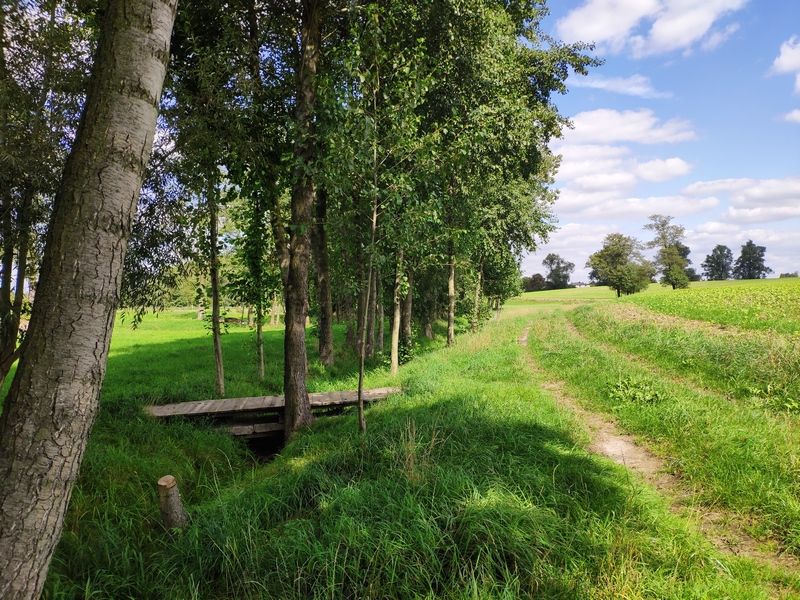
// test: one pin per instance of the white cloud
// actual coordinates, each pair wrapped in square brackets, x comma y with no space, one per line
[717,38]
[761,214]
[604,126]
[663,170]
[716,227]
[751,193]
[635,85]
[616,25]
[788,61]
[634,208]
[754,200]
[792,117]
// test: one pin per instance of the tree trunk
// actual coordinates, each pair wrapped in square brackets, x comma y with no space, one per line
[260,338]
[349,327]
[298,407]
[372,310]
[201,296]
[476,310]
[173,515]
[398,282]
[214,276]
[53,400]
[451,299]
[322,270]
[380,315]
[405,324]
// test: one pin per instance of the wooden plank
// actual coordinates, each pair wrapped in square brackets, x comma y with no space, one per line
[254,430]
[258,404]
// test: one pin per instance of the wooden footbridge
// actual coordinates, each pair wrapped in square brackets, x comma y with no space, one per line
[261,416]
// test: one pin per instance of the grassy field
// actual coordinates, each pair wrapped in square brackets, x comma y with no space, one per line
[472,483]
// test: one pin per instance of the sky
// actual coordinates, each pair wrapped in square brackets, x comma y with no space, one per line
[695,114]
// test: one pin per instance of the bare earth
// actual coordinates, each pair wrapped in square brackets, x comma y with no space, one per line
[724,529]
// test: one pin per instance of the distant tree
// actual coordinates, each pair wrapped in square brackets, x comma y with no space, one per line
[795,274]
[534,283]
[558,271]
[719,264]
[672,258]
[750,264]
[620,265]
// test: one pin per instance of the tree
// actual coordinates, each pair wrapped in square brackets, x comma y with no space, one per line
[750,264]
[672,256]
[534,283]
[620,265]
[50,408]
[673,267]
[558,271]
[718,265]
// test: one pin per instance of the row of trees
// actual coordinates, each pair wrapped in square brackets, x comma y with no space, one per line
[621,265]
[373,154]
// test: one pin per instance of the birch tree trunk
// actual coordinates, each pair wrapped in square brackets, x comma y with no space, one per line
[451,300]
[50,409]
[398,282]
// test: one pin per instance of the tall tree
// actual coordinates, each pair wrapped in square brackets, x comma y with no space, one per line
[620,265]
[750,264]
[671,258]
[558,271]
[719,264]
[53,400]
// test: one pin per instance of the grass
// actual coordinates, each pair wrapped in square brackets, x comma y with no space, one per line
[469,484]
[742,456]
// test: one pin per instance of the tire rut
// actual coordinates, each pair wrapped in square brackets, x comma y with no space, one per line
[724,529]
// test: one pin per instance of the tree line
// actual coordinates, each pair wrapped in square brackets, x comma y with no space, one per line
[621,265]
[388,157]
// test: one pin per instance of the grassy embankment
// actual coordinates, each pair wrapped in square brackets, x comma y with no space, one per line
[469,484]
[720,403]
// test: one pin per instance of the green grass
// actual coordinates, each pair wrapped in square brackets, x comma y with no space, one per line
[469,484]
[740,456]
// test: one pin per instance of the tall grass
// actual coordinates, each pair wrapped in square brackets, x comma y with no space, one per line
[738,456]
[469,484]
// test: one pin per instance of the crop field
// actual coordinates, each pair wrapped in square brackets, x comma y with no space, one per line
[766,304]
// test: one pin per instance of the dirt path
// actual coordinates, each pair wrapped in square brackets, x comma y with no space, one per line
[724,529]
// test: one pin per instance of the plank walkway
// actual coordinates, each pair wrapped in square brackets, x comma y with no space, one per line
[261,404]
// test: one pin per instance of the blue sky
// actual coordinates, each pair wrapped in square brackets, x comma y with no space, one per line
[695,114]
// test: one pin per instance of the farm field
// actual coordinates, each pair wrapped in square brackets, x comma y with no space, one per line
[473,483]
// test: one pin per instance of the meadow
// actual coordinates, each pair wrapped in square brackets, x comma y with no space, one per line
[474,482]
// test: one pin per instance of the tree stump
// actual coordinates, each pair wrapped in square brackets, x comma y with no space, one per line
[173,514]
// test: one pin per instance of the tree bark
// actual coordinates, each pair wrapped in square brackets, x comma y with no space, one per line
[322,271]
[214,276]
[379,310]
[201,296]
[476,309]
[173,515]
[451,299]
[49,411]
[260,338]
[398,282]
[405,324]
[298,407]
[372,309]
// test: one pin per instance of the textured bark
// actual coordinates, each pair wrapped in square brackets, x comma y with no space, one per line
[173,515]
[260,338]
[323,280]
[405,324]
[53,400]
[380,311]
[398,282]
[214,276]
[298,408]
[477,308]
[451,299]
[372,309]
